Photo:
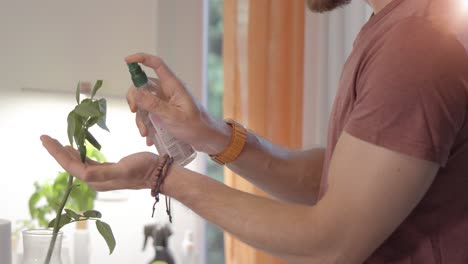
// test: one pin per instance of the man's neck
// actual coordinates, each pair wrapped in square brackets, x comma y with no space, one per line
[378,5]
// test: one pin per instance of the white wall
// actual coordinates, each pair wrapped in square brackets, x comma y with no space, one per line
[48,46]
[182,40]
[53,44]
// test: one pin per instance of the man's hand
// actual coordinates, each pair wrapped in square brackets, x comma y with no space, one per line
[176,108]
[132,172]
[293,176]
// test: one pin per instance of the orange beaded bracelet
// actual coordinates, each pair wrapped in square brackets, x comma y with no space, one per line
[235,147]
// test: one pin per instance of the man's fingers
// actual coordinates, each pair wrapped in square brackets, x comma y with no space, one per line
[132,96]
[149,141]
[154,62]
[151,103]
[76,155]
[131,99]
[150,136]
[142,122]
[63,157]
[145,100]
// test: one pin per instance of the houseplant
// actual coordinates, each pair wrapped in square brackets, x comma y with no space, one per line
[48,192]
[81,200]
[87,113]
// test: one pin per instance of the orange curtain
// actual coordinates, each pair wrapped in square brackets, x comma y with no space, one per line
[263,85]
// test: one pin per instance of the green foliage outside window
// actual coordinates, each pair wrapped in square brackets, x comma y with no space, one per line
[214,235]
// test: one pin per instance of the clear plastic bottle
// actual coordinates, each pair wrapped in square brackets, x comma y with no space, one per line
[165,143]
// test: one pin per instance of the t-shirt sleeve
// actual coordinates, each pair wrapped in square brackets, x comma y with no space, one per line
[411,94]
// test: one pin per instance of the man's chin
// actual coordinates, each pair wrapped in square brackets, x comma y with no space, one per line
[322,6]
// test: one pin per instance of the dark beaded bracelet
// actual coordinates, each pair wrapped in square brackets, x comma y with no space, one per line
[162,170]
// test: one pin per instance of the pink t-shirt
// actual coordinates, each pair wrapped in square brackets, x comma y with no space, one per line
[405,88]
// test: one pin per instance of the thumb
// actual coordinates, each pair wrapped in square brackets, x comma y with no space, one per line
[152,103]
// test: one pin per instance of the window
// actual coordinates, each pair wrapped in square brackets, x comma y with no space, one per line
[175,30]
[214,235]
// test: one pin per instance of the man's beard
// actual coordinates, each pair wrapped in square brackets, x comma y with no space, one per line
[321,6]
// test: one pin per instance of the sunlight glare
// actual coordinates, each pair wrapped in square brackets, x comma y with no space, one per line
[464,5]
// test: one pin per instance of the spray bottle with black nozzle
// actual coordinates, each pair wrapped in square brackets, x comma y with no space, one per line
[165,143]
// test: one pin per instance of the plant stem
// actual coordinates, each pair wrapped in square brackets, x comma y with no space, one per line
[57,220]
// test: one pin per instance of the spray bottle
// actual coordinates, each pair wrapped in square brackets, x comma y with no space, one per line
[165,143]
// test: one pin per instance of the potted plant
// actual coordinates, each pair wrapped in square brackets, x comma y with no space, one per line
[81,200]
[49,192]
[40,245]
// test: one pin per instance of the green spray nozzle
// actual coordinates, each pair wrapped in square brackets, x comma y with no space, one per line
[139,77]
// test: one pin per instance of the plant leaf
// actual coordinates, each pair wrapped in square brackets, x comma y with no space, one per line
[75,128]
[106,232]
[32,203]
[90,195]
[79,138]
[71,120]
[102,106]
[91,139]
[102,123]
[81,198]
[48,192]
[51,223]
[96,155]
[77,93]
[97,86]
[82,150]
[93,214]
[60,183]
[92,121]
[41,212]
[102,120]
[64,219]
[87,108]
[73,214]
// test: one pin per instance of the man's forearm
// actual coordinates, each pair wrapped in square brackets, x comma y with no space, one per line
[276,227]
[292,176]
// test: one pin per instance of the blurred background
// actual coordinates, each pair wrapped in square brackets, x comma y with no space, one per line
[48,46]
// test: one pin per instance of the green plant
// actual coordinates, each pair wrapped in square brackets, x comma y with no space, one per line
[87,113]
[49,192]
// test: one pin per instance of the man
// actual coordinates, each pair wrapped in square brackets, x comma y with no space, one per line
[389,188]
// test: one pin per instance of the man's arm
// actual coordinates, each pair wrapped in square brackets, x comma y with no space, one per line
[291,176]
[371,191]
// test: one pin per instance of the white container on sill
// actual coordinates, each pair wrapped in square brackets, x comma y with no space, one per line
[36,246]
[5,241]
[81,244]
